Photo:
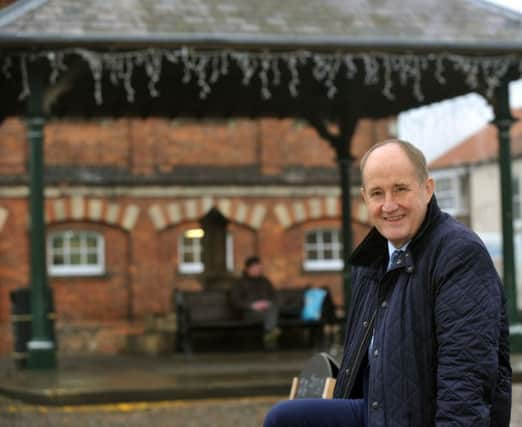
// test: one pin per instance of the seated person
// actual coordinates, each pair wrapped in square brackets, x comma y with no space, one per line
[254,296]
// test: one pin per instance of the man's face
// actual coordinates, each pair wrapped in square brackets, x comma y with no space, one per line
[396,199]
[255,270]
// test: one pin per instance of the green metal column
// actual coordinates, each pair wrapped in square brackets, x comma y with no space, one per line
[344,163]
[503,120]
[341,143]
[42,352]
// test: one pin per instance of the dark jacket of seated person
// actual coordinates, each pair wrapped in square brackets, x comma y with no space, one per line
[254,294]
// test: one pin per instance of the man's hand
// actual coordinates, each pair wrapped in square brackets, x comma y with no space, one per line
[260,305]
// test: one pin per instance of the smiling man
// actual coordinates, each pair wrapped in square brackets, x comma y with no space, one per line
[427,331]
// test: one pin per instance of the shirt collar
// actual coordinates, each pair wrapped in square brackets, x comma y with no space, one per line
[392,249]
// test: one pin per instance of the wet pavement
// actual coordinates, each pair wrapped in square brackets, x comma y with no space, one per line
[240,412]
[248,385]
[125,378]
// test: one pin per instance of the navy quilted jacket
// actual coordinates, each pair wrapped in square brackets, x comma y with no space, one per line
[440,355]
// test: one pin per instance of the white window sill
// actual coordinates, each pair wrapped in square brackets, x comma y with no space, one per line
[333,265]
[68,271]
[191,268]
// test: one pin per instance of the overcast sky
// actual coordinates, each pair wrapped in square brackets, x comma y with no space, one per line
[513,4]
[437,128]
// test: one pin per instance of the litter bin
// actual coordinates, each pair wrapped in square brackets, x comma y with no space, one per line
[21,318]
[22,323]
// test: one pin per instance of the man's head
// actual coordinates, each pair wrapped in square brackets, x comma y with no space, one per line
[396,189]
[253,267]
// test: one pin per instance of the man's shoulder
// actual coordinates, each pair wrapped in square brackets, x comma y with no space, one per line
[452,234]
[453,242]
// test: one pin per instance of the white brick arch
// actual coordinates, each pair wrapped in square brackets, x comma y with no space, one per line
[165,215]
[79,208]
[290,214]
[4,214]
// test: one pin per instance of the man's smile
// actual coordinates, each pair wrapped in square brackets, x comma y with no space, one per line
[394,218]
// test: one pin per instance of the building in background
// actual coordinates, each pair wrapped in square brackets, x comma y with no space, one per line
[124,201]
[467,181]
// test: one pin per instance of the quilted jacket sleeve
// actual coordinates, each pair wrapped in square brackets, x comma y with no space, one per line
[468,306]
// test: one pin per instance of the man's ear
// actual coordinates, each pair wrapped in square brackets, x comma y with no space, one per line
[363,194]
[429,186]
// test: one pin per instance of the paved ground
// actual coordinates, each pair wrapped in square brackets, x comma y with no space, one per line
[242,412]
[240,379]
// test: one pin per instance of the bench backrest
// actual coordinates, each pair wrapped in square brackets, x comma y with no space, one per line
[208,305]
[290,301]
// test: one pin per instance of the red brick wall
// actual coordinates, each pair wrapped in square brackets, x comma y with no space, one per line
[13,147]
[97,313]
[150,145]
[4,3]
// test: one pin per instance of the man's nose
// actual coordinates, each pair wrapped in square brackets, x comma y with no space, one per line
[389,204]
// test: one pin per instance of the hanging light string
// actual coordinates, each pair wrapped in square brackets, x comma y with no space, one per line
[206,68]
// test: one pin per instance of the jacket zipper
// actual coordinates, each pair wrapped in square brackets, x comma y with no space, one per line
[364,343]
[358,358]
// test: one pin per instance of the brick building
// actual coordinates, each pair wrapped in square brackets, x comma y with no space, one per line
[123,203]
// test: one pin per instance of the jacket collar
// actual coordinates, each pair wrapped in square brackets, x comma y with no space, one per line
[373,248]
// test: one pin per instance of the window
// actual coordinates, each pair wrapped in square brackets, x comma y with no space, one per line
[191,252]
[447,193]
[75,253]
[451,190]
[323,250]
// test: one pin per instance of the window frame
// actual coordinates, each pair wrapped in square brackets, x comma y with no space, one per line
[323,264]
[197,267]
[456,191]
[68,269]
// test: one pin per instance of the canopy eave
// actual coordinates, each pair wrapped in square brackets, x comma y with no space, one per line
[253,42]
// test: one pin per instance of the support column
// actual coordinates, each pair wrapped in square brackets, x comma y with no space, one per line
[503,121]
[42,352]
[341,143]
[344,163]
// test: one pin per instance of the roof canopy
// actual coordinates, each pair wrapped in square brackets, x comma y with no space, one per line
[365,58]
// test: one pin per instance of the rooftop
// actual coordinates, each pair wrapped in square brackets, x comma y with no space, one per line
[246,22]
[481,147]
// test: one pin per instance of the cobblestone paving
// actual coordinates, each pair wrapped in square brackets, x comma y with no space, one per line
[246,412]
[198,413]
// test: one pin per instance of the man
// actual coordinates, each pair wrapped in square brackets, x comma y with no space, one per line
[254,296]
[427,333]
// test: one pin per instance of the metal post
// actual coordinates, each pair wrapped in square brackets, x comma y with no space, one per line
[344,162]
[503,120]
[41,348]
[341,142]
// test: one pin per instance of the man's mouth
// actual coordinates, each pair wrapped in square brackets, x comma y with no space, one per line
[394,218]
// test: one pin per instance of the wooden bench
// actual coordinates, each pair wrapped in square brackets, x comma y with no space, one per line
[211,311]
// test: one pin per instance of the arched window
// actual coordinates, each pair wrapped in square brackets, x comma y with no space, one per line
[323,250]
[190,250]
[75,253]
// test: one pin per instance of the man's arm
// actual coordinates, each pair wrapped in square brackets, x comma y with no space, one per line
[468,306]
